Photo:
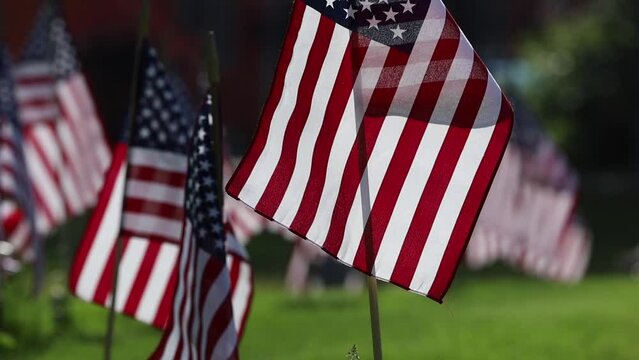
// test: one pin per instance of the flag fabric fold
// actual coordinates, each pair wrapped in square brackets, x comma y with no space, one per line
[380,139]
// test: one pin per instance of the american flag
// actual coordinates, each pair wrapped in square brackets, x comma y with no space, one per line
[380,138]
[39,114]
[528,220]
[66,151]
[16,202]
[202,325]
[148,192]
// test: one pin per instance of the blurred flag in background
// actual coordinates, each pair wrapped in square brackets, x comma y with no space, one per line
[529,218]
[65,149]
[16,199]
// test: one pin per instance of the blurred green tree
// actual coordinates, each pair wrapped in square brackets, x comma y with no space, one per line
[583,82]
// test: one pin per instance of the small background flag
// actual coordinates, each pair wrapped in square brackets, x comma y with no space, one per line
[16,199]
[149,193]
[202,325]
[379,140]
[65,148]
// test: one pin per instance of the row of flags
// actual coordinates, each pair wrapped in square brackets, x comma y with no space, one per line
[530,220]
[379,142]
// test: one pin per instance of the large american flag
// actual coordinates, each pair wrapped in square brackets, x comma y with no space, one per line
[380,138]
[65,148]
[202,325]
[148,195]
[16,203]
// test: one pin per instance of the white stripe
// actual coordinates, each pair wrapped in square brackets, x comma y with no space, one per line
[153,191]
[41,113]
[453,200]
[242,293]
[226,344]
[103,242]
[390,133]
[174,336]
[156,287]
[328,75]
[421,168]
[215,296]
[145,224]
[344,139]
[269,157]
[158,159]
[41,91]
[129,270]
[32,69]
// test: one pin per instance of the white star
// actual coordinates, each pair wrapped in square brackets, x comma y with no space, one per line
[330,3]
[219,244]
[383,2]
[398,32]
[350,12]
[202,148]
[366,5]
[390,14]
[145,132]
[217,228]
[408,7]
[372,23]
[201,134]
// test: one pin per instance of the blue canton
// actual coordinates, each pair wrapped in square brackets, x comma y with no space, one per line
[394,23]
[38,46]
[202,203]
[161,123]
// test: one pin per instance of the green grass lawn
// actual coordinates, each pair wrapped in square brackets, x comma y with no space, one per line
[483,318]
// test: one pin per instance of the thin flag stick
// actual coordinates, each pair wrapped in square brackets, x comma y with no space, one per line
[143,30]
[213,69]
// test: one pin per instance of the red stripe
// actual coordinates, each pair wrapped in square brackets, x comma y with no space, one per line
[367,134]
[274,192]
[441,174]
[105,285]
[37,103]
[241,175]
[142,278]
[402,160]
[148,207]
[119,158]
[234,272]
[473,203]
[145,173]
[340,94]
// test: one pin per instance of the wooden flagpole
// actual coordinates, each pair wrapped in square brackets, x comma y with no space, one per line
[143,30]
[213,70]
